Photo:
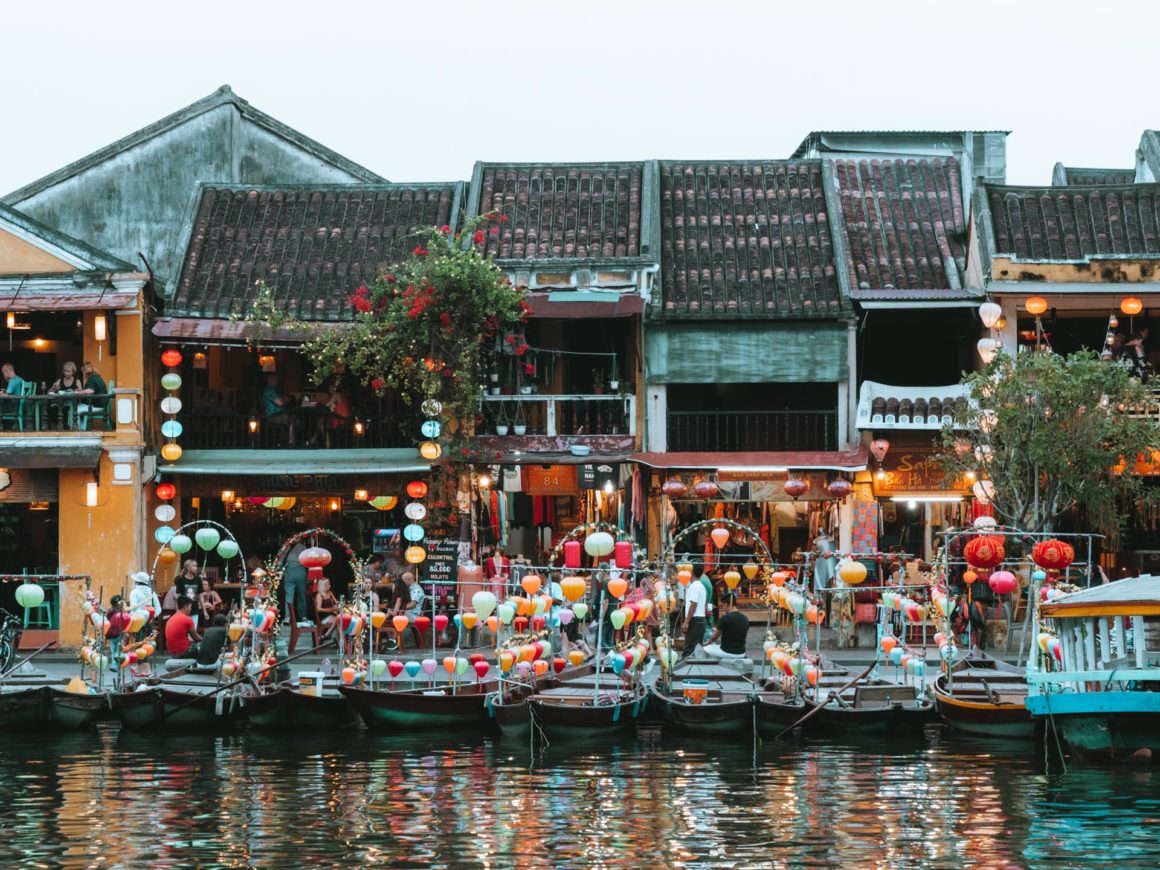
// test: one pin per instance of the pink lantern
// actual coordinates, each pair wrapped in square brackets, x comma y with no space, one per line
[879,448]
[720,537]
[795,488]
[314,559]
[705,489]
[571,554]
[1002,582]
[440,621]
[622,554]
[838,487]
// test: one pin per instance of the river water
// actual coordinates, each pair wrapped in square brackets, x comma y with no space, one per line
[106,800]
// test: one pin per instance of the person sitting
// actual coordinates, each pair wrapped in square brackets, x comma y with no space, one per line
[69,381]
[181,637]
[729,637]
[94,386]
[210,648]
[275,405]
[11,384]
[208,601]
[340,412]
[325,607]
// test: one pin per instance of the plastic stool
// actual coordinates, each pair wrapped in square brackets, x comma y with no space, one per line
[44,614]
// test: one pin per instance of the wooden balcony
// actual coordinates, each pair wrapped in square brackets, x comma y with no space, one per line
[555,424]
[737,431]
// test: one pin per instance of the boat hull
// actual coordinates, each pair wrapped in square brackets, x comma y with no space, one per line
[774,715]
[513,718]
[160,708]
[48,707]
[565,721]
[1102,725]
[727,718]
[887,720]
[983,718]
[418,711]
[286,708]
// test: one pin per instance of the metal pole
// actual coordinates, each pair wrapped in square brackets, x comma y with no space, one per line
[599,646]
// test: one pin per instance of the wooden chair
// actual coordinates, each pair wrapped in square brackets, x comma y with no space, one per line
[314,631]
[86,413]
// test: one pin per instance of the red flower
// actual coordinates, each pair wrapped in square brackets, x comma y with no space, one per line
[521,350]
[511,339]
[377,384]
[494,231]
[524,305]
[445,319]
[445,229]
[446,372]
[530,369]
[361,304]
[419,251]
[478,237]
[361,291]
[503,218]
[389,278]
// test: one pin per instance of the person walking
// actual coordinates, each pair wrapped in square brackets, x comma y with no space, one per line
[696,612]
[294,578]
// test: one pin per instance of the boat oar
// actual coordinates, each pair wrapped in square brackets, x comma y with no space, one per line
[831,696]
[27,659]
[230,685]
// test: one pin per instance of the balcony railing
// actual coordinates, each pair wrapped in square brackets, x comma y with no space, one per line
[69,412]
[1149,409]
[734,431]
[553,415]
[223,429]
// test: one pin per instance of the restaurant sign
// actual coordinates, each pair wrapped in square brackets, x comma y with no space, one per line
[442,557]
[291,484]
[549,479]
[915,472]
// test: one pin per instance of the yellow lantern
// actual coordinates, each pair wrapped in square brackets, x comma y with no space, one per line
[852,572]
[1131,305]
[287,503]
[1035,305]
[415,554]
[171,452]
[384,502]
[750,570]
[778,578]
[573,588]
[732,578]
[430,450]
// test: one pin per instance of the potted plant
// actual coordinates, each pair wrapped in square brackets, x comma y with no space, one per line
[520,426]
[597,382]
[614,378]
[501,420]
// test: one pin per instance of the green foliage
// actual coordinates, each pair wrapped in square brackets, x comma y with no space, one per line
[1048,432]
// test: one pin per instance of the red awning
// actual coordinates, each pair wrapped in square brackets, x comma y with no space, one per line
[828,460]
[562,309]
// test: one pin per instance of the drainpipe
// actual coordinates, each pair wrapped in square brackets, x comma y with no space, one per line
[849,436]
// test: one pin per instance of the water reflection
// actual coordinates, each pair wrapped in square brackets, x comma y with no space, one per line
[105,800]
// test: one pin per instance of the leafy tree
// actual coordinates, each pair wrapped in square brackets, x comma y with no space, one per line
[1044,434]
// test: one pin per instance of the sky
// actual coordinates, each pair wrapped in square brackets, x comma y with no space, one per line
[420,91]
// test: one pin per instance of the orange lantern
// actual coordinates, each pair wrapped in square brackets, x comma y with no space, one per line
[778,578]
[166,557]
[732,578]
[1035,305]
[969,577]
[416,489]
[400,623]
[1131,305]
[720,537]
[531,583]
[750,569]
[573,588]
[684,577]
[617,586]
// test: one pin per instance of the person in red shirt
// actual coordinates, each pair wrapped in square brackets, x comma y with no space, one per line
[179,630]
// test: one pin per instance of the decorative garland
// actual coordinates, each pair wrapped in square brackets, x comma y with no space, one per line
[638,553]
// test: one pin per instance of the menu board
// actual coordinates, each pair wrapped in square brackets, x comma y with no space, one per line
[439,567]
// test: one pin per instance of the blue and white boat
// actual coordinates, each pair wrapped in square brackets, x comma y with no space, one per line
[1096,681]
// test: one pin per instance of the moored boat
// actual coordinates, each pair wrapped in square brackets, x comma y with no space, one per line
[286,706]
[176,706]
[1095,682]
[872,707]
[439,707]
[45,706]
[985,697]
[706,699]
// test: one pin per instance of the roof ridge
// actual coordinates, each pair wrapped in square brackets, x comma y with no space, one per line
[222,96]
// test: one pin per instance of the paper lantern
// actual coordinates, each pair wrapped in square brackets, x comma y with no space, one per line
[384,502]
[531,583]
[571,554]
[1002,582]
[166,556]
[573,588]
[166,491]
[180,544]
[888,643]
[750,570]
[778,578]
[617,586]
[838,487]
[720,537]
[1130,306]
[416,511]
[795,488]
[1035,305]
[171,452]
[705,489]
[879,448]
[732,578]
[416,489]
[400,623]
[430,450]
[422,623]
[469,619]
[484,603]
[283,504]
[415,554]
[599,544]
[378,619]
[1052,554]
[852,572]
[171,358]
[984,552]
[617,619]
[171,381]
[29,595]
[170,405]
[228,548]
[622,554]
[684,577]
[674,487]
[969,577]
[575,657]
[580,609]
[990,313]
[412,668]
[207,537]
[481,669]
[413,533]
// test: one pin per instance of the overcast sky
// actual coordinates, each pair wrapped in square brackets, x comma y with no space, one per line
[419,91]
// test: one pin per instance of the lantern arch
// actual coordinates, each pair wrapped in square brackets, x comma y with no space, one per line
[764,557]
[618,535]
[226,545]
[358,586]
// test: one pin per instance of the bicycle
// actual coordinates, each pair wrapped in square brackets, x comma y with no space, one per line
[11,628]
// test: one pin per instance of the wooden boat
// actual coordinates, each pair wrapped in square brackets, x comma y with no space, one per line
[876,707]
[1102,693]
[582,708]
[775,710]
[510,710]
[985,697]
[176,705]
[287,706]
[47,706]
[706,698]
[437,708]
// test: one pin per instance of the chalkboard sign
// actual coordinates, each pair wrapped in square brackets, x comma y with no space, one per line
[442,557]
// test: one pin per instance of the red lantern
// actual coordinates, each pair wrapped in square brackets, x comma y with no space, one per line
[1002,582]
[520,623]
[970,577]
[838,488]
[1053,555]
[705,489]
[171,358]
[984,552]
[622,554]
[879,447]
[674,487]
[571,554]
[166,491]
[422,623]
[795,487]
[416,489]
[314,559]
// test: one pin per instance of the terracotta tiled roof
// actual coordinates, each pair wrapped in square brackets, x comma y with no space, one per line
[903,223]
[1075,223]
[312,245]
[1073,175]
[746,239]
[584,211]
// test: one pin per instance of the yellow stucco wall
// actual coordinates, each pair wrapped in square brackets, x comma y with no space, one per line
[1094,272]
[18,257]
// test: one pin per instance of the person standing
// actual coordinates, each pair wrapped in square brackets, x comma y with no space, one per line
[294,578]
[732,631]
[496,569]
[710,601]
[696,612]
[188,583]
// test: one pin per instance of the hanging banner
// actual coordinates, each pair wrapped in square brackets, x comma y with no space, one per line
[442,556]
[915,472]
[596,474]
[549,479]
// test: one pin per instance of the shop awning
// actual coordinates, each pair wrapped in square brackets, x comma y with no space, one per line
[50,451]
[204,330]
[271,463]
[761,461]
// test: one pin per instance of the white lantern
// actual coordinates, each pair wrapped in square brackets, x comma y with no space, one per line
[984,491]
[990,313]
[988,348]
[599,544]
